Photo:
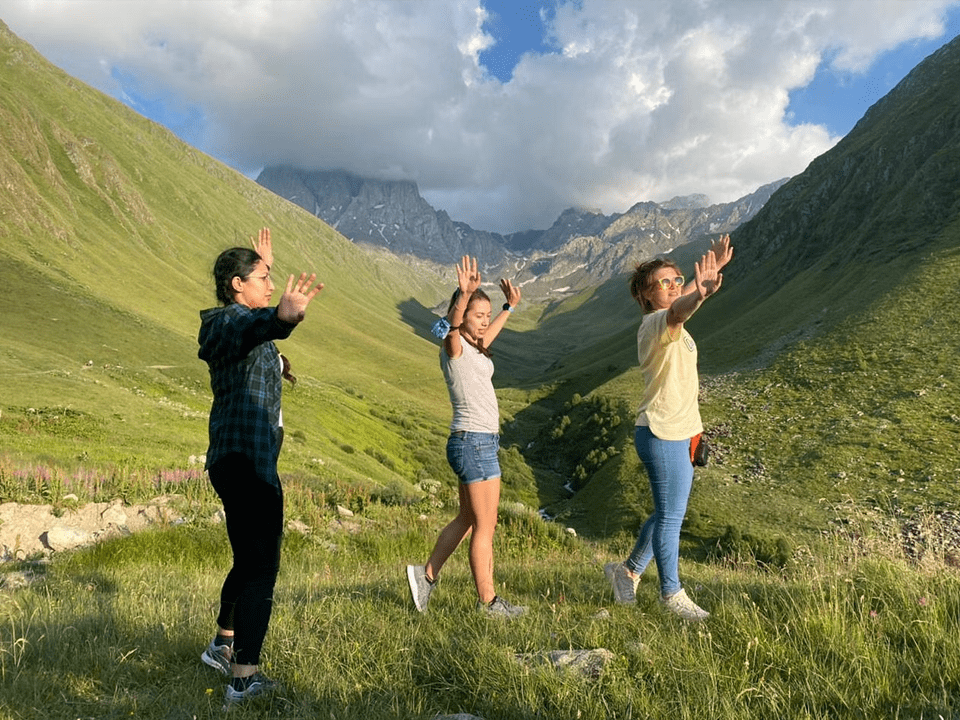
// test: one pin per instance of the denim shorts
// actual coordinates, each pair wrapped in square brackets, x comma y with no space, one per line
[473,456]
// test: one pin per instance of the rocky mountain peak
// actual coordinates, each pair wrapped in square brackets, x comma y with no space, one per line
[582,246]
[686,202]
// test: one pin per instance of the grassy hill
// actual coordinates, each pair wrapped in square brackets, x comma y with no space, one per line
[827,354]
[823,536]
[109,226]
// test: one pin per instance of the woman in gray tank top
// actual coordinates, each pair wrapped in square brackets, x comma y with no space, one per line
[467,332]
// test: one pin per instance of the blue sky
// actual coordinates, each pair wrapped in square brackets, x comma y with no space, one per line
[504,113]
[835,98]
[516,28]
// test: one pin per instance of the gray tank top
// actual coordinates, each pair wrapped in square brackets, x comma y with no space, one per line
[470,384]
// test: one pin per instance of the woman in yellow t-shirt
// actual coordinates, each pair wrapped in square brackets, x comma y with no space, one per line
[667,419]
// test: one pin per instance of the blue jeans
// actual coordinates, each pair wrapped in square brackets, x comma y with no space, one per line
[671,477]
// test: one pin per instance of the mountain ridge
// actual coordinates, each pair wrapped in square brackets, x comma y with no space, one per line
[892,151]
[581,247]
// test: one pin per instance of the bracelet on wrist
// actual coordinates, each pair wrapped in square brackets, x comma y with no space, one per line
[508,307]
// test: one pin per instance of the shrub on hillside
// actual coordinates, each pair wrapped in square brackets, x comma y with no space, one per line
[582,437]
[396,492]
[522,529]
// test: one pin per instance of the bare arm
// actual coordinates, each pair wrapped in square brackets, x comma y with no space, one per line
[512,296]
[468,280]
[707,280]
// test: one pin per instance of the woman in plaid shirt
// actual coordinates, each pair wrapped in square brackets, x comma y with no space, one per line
[236,341]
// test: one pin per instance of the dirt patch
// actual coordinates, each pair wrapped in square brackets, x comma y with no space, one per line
[30,530]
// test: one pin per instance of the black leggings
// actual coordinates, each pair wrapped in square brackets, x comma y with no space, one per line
[254,511]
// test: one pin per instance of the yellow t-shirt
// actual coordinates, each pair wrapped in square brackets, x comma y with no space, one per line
[669,366]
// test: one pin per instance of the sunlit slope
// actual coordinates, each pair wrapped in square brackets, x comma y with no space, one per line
[109,226]
[837,238]
[864,411]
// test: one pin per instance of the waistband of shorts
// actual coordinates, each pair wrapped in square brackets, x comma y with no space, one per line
[460,434]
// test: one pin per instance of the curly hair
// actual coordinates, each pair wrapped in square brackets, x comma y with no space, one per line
[640,280]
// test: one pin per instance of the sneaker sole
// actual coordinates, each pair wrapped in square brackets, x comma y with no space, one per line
[505,616]
[240,697]
[232,697]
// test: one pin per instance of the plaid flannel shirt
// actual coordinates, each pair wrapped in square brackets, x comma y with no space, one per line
[236,343]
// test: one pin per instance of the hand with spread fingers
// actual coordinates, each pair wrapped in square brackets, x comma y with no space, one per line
[510,292]
[468,276]
[722,250]
[293,303]
[708,276]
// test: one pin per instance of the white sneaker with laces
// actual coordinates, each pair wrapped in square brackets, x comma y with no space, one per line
[681,605]
[498,607]
[624,585]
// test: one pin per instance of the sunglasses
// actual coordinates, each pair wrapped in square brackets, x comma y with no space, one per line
[665,283]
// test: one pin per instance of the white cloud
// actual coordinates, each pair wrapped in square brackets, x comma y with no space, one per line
[646,99]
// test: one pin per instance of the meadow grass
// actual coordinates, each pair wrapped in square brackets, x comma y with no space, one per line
[838,380]
[850,628]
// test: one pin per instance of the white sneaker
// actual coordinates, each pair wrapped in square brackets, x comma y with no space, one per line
[681,605]
[498,607]
[624,585]
[420,587]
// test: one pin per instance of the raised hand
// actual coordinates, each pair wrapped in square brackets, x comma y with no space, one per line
[263,247]
[708,275]
[468,276]
[722,250]
[293,303]
[510,293]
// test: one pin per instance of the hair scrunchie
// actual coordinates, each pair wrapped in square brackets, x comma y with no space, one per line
[441,328]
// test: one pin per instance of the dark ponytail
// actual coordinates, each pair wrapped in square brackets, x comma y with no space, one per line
[235,262]
[285,373]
